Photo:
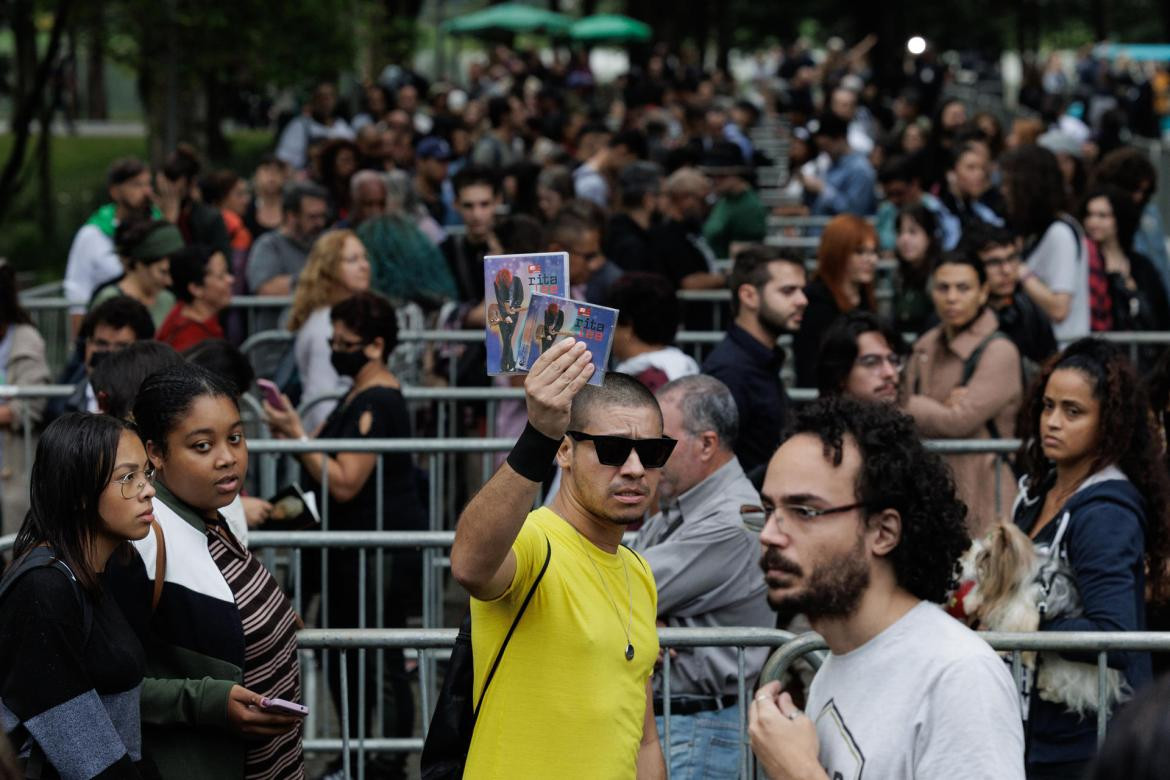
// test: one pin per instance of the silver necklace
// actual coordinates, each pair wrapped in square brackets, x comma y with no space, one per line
[629,594]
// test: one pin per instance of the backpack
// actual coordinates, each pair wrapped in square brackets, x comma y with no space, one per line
[449,736]
[1028,369]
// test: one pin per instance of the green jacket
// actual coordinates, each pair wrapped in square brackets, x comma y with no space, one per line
[734,218]
[194,648]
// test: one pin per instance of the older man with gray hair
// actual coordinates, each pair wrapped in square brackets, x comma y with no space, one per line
[703,560]
[367,195]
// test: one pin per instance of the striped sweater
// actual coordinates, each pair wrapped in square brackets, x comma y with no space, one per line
[222,621]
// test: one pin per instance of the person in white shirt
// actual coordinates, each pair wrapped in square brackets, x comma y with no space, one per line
[864,530]
[93,260]
[318,123]
[643,341]
[1057,256]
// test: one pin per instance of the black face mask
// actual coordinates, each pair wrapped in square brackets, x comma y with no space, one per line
[348,363]
[97,358]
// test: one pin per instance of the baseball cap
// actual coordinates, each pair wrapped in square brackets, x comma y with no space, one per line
[433,147]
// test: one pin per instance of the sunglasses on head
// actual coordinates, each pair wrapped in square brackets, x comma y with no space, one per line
[615,450]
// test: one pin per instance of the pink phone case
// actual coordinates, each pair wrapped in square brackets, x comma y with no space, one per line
[271,393]
[282,706]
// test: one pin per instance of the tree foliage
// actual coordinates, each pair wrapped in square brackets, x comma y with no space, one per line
[33,91]
[191,56]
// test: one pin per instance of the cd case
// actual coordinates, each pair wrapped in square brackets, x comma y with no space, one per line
[552,318]
[293,509]
[510,281]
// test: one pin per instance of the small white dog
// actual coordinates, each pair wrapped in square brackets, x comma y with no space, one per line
[1002,588]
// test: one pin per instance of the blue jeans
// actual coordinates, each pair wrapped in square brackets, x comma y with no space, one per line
[703,746]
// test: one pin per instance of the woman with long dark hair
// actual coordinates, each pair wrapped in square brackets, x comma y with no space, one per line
[71,667]
[1134,297]
[1057,276]
[220,633]
[1095,499]
[846,266]
[917,248]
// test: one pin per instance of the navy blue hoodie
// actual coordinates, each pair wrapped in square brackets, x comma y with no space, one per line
[1105,542]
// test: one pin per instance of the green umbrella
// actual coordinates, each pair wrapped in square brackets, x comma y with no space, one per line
[610,27]
[509,18]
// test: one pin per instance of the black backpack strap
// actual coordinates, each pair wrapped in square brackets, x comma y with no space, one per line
[972,363]
[36,558]
[515,622]
[44,556]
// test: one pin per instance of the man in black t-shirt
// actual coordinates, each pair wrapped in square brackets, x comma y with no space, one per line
[628,242]
[477,196]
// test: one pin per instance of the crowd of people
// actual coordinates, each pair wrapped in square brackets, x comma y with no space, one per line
[963,272]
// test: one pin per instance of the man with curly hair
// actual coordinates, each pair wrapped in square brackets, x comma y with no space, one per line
[863,535]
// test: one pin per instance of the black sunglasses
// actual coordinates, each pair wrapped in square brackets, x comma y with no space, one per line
[615,450]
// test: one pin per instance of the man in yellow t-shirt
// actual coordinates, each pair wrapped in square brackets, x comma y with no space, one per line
[572,696]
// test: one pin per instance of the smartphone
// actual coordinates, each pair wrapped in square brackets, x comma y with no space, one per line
[271,394]
[283,707]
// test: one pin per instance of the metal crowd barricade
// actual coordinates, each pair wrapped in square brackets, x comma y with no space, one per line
[426,642]
[1099,642]
[8,392]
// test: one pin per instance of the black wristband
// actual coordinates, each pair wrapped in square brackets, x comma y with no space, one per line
[533,454]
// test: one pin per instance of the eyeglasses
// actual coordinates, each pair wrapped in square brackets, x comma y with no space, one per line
[102,345]
[132,485]
[874,362]
[802,512]
[344,345]
[995,262]
[615,450]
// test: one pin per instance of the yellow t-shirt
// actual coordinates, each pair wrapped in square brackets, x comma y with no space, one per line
[564,701]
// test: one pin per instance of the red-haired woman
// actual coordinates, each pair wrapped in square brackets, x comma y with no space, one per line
[846,265]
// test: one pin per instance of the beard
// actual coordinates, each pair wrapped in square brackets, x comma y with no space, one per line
[136,211]
[833,588]
[772,321]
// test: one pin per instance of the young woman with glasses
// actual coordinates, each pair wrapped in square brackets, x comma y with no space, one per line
[365,332]
[964,380]
[71,666]
[220,634]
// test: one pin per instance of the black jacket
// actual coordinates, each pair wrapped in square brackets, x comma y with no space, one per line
[1028,327]
[752,372]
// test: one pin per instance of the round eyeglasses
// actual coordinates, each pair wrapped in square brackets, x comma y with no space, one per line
[874,362]
[132,485]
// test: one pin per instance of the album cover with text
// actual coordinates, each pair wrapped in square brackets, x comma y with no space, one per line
[552,318]
[509,284]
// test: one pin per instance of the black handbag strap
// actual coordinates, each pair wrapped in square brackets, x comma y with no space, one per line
[515,622]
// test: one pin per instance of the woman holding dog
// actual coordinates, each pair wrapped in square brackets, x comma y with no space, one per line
[1094,500]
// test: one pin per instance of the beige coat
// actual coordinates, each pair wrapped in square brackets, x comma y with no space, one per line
[993,393]
[26,366]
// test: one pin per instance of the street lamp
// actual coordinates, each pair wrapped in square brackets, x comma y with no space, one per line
[916,45]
